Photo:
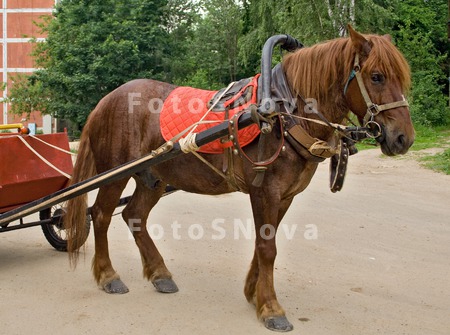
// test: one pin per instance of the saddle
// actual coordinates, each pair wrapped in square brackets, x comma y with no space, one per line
[186,106]
[239,94]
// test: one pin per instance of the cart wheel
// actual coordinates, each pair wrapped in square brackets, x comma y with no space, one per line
[54,232]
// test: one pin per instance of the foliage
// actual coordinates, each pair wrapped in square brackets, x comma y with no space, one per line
[180,16]
[28,95]
[213,52]
[421,36]
[93,46]
[200,79]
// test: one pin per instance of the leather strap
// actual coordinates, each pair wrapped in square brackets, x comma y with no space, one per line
[372,109]
[338,167]
[314,146]
[234,132]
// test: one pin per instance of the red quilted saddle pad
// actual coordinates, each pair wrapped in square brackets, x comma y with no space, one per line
[186,106]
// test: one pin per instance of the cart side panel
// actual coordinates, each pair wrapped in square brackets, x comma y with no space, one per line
[24,177]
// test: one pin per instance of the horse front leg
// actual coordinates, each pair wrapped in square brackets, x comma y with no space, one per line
[268,210]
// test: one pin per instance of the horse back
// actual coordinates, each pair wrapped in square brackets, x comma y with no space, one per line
[125,123]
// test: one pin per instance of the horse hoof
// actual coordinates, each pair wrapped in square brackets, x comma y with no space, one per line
[278,324]
[116,287]
[165,285]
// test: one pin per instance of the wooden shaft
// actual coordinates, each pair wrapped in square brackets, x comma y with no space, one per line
[162,154]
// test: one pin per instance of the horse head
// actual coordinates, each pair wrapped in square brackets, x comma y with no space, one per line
[377,95]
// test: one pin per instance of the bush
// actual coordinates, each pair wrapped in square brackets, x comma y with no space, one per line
[428,105]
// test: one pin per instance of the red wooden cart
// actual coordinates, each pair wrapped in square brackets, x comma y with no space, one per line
[32,167]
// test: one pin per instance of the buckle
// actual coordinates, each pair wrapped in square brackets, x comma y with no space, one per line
[374,110]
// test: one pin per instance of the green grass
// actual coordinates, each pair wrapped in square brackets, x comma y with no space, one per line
[365,144]
[431,138]
[427,138]
[439,162]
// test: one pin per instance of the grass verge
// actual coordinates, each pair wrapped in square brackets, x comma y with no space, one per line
[426,138]
[438,162]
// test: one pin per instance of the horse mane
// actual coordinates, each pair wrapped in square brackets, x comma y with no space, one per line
[321,71]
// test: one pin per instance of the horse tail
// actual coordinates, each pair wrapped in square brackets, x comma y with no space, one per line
[77,228]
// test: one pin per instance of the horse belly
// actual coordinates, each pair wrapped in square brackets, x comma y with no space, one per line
[188,173]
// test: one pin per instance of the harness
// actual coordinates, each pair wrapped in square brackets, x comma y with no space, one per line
[348,136]
[276,106]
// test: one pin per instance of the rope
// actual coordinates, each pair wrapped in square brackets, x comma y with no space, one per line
[216,170]
[342,129]
[43,159]
[53,146]
[187,144]
[337,126]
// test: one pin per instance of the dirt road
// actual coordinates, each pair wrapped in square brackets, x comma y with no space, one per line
[372,259]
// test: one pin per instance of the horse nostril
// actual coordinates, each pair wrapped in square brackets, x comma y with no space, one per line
[401,140]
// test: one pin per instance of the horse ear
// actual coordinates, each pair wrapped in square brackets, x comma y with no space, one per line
[359,42]
[388,37]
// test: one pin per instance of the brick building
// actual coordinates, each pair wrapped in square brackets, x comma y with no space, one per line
[17,26]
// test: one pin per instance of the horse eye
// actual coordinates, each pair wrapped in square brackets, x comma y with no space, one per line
[377,78]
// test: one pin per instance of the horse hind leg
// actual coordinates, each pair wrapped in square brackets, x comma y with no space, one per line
[135,214]
[102,210]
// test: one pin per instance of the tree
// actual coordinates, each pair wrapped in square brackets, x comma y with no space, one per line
[213,52]
[181,16]
[93,47]
[421,35]
[310,21]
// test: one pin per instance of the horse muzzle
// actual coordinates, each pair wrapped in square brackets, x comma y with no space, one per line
[394,142]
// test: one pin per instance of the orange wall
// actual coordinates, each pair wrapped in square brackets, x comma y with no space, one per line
[19,55]
[30,3]
[21,25]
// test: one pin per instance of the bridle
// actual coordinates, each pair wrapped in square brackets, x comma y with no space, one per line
[372,108]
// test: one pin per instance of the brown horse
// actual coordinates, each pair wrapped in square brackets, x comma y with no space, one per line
[114,135]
